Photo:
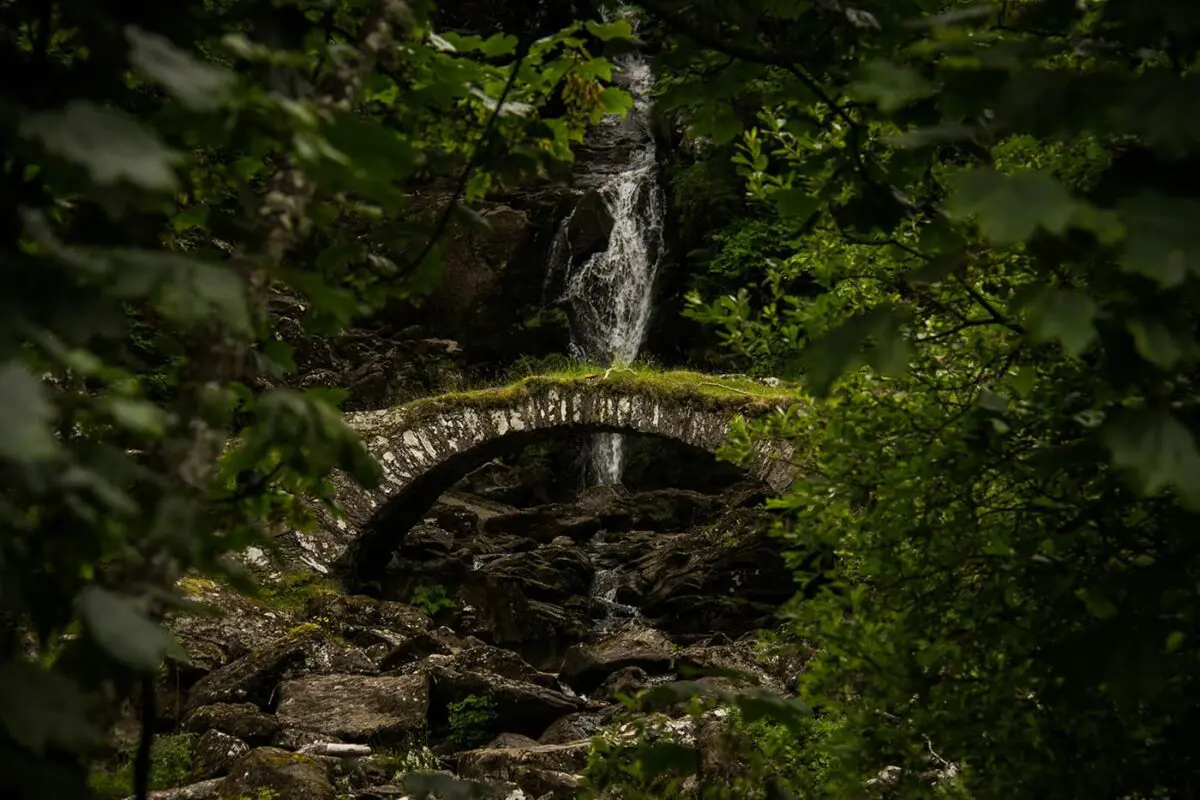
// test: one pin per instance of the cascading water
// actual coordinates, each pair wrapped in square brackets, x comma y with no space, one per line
[611,292]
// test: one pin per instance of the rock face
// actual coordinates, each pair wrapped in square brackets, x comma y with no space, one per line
[586,666]
[289,775]
[357,708]
[554,614]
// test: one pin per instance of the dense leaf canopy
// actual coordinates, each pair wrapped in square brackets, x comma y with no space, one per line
[972,230]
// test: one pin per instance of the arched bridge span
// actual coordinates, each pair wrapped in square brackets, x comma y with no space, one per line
[427,446]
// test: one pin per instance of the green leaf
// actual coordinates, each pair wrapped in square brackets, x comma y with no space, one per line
[1163,238]
[795,202]
[843,349]
[26,416]
[607,31]
[890,86]
[197,85]
[1010,208]
[192,217]
[1157,343]
[137,415]
[1064,315]
[123,632]
[615,100]
[667,758]
[40,709]
[1158,450]
[108,143]
[499,44]
[337,257]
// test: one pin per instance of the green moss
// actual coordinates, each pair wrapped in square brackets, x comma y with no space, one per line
[292,592]
[170,766]
[731,394]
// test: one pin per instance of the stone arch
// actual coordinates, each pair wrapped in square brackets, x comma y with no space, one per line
[427,446]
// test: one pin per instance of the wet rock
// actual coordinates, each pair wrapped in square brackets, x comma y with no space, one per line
[497,661]
[702,614]
[405,573]
[439,641]
[214,753]
[586,666]
[539,770]
[729,576]
[254,677]
[549,573]
[521,707]
[243,721]
[358,613]
[358,708]
[545,523]
[242,625]
[578,726]
[503,615]
[425,541]
[661,510]
[299,739]
[204,790]
[509,741]
[379,627]
[625,681]
[748,662]
[289,775]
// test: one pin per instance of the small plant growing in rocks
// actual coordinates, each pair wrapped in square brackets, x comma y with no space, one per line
[170,766]
[473,721]
[431,599]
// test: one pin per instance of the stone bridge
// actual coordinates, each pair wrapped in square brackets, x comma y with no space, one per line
[427,446]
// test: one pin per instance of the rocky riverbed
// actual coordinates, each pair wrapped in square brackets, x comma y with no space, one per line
[500,644]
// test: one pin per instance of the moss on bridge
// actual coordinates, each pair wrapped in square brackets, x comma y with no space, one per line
[680,388]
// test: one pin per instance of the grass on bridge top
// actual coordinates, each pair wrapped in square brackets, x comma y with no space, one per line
[733,392]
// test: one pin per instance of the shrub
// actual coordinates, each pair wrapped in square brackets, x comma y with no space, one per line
[431,599]
[473,721]
[170,766]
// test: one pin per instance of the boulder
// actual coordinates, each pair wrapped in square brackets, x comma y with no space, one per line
[289,775]
[243,721]
[254,677]
[509,741]
[625,681]
[358,708]
[586,666]
[542,771]
[578,726]
[351,614]
[521,707]
[439,641]
[748,662]
[545,523]
[496,661]
[214,753]
[240,626]
[660,510]
[300,739]
[500,613]
[551,573]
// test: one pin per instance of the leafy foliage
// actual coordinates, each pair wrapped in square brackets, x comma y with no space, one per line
[991,202]
[473,721]
[170,171]
[431,599]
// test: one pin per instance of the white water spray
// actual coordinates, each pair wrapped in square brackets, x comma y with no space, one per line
[611,292]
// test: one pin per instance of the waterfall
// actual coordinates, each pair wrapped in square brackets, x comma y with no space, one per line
[610,292]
